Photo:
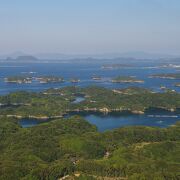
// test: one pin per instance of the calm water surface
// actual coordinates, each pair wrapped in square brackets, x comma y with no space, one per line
[84,71]
[116,120]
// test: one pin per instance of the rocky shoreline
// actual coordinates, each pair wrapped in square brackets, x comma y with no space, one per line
[89,110]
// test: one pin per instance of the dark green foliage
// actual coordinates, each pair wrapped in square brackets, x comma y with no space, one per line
[65,146]
[57,102]
[62,147]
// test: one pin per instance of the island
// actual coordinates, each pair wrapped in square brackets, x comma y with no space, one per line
[49,79]
[177,84]
[54,103]
[95,77]
[166,76]
[162,87]
[170,66]
[26,79]
[25,58]
[126,79]
[74,80]
[115,66]
[18,79]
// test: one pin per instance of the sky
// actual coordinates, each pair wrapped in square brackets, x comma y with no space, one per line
[89,26]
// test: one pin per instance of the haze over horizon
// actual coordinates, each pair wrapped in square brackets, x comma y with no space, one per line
[61,56]
[90,27]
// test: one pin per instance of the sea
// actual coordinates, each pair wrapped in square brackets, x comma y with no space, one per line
[84,71]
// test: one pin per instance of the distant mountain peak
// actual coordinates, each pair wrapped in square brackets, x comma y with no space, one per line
[23,58]
[26,57]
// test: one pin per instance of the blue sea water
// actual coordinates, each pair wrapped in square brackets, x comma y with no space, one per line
[26,123]
[111,121]
[84,71]
[115,120]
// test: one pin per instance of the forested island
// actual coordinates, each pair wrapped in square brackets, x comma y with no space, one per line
[166,76]
[50,79]
[74,80]
[126,79]
[177,84]
[115,66]
[26,79]
[54,103]
[18,79]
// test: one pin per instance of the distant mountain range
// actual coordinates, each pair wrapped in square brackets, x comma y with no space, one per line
[51,57]
[22,58]
[136,55]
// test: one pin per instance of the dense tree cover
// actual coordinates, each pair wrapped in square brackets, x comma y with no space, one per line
[68,147]
[42,149]
[133,90]
[65,147]
[38,104]
[57,102]
[100,97]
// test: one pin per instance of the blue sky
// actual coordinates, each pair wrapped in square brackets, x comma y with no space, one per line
[90,26]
